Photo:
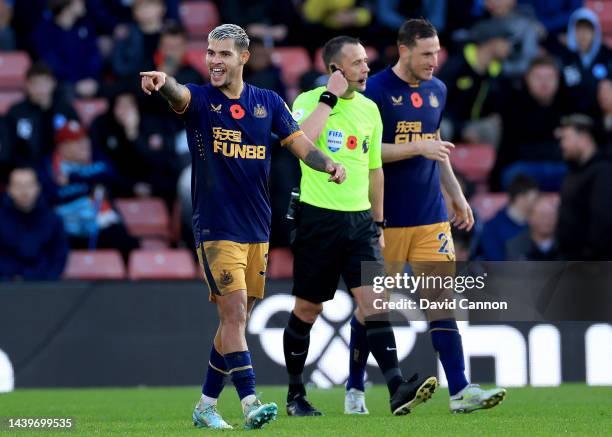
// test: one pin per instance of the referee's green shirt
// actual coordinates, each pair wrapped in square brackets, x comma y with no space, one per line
[352,136]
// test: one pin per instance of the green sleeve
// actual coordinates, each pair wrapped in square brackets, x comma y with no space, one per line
[376,141]
[303,105]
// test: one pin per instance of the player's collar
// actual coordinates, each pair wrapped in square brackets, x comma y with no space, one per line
[236,97]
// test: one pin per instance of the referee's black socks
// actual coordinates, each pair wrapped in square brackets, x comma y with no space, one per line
[382,345]
[296,340]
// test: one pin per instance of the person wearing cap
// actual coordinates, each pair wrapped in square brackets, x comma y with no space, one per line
[525,33]
[474,84]
[584,230]
[75,179]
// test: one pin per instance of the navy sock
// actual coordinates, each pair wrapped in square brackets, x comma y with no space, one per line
[240,369]
[296,340]
[215,374]
[447,342]
[382,345]
[359,351]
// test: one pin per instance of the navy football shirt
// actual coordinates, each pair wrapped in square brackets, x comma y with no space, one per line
[229,142]
[410,113]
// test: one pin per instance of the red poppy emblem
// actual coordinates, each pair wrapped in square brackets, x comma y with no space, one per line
[417,100]
[237,111]
[351,143]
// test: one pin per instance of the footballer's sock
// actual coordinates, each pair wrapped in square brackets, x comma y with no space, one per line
[447,342]
[215,377]
[359,351]
[382,345]
[296,340]
[241,371]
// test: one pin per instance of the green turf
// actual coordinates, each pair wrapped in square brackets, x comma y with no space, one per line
[570,409]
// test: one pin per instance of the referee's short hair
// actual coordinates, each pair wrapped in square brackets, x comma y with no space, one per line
[333,47]
[413,29]
[233,31]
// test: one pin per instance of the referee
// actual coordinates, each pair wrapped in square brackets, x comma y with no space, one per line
[339,226]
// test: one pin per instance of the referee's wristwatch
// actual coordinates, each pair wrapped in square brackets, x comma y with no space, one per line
[382,224]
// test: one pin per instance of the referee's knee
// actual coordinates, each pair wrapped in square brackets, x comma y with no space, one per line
[307,311]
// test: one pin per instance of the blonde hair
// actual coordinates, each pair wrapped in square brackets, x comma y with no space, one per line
[233,31]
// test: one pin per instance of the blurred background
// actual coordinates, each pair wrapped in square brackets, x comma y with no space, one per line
[95,176]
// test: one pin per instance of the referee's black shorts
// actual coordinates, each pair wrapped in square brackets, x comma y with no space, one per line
[328,244]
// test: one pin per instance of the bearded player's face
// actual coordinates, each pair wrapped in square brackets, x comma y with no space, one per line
[421,60]
[225,62]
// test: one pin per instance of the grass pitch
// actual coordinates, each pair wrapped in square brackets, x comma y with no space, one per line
[569,409]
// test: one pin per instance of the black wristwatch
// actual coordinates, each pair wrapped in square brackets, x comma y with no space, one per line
[382,224]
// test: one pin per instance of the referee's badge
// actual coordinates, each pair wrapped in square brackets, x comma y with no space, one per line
[259,111]
[433,100]
[335,139]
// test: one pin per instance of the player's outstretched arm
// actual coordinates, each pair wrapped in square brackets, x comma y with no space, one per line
[303,149]
[176,94]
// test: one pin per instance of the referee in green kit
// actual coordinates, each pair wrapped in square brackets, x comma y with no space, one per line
[340,226]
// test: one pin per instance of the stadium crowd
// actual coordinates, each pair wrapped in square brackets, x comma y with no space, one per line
[529,106]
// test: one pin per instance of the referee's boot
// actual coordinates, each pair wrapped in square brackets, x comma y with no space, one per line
[298,405]
[411,393]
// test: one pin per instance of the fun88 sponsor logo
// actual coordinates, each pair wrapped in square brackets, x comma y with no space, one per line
[335,139]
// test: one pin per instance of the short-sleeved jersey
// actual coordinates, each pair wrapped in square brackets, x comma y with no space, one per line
[352,137]
[410,113]
[229,142]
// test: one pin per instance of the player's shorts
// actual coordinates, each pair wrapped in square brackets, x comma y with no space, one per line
[420,243]
[229,266]
[328,245]
[430,251]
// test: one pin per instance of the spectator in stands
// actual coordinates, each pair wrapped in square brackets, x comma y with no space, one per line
[604,98]
[553,14]
[7,37]
[5,153]
[68,44]
[31,123]
[127,136]
[337,14]
[261,72]
[529,119]
[391,14]
[33,244]
[510,221]
[325,18]
[76,179]
[475,89]
[584,230]
[26,17]
[170,58]
[538,242]
[170,55]
[525,34]
[587,60]
[135,47]
[269,20]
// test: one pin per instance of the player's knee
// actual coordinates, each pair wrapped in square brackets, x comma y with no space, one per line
[307,311]
[234,314]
